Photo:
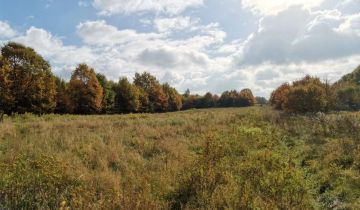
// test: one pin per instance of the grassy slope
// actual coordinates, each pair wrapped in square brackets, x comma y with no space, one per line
[198,159]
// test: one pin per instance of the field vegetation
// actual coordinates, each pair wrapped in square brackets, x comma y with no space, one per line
[234,158]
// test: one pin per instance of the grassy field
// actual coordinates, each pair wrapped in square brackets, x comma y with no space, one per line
[250,158]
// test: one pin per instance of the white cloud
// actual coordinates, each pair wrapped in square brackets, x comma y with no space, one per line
[167,25]
[171,7]
[299,35]
[100,33]
[351,25]
[6,31]
[271,7]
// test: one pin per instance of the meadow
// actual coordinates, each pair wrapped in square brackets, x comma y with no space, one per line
[234,158]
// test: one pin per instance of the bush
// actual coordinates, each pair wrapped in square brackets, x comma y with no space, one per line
[308,95]
[303,99]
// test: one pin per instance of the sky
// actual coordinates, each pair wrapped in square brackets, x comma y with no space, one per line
[201,45]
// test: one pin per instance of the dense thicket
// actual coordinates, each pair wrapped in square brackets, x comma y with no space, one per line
[27,85]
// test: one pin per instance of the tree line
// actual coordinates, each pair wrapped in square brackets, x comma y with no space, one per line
[244,98]
[311,95]
[27,84]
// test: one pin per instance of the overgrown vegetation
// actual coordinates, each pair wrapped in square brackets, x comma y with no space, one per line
[235,158]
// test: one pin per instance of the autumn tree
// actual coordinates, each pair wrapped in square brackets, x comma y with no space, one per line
[245,98]
[128,97]
[85,91]
[308,95]
[27,84]
[7,99]
[108,101]
[158,101]
[174,98]
[279,95]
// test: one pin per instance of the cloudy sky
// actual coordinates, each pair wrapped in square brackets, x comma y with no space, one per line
[203,45]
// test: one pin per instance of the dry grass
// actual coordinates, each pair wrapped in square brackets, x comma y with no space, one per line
[151,161]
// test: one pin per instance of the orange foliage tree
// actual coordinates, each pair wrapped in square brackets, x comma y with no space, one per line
[85,91]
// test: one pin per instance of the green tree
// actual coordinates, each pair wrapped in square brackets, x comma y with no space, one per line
[27,82]
[85,91]
[347,91]
[261,100]
[108,102]
[228,98]
[146,81]
[348,98]
[208,100]
[187,93]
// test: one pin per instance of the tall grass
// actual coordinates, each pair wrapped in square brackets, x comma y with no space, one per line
[252,158]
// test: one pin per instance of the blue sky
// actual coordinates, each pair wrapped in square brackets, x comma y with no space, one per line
[204,45]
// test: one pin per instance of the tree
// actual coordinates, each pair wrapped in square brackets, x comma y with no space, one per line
[158,101]
[261,100]
[128,97]
[108,101]
[146,81]
[63,102]
[27,81]
[174,98]
[279,95]
[308,95]
[85,91]
[6,97]
[208,100]
[187,93]
[191,102]
[246,98]
[348,98]
[228,99]
[347,91]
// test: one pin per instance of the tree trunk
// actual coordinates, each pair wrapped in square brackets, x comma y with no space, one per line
[1,116]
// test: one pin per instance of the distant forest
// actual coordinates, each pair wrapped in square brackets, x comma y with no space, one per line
[27,84]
